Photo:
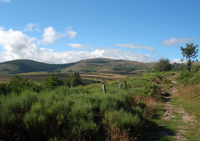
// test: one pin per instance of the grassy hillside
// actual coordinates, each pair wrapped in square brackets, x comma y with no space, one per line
[84,66]
[24,66]
[107,65]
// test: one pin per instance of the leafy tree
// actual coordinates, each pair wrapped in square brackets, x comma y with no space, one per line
[190,53]
[76,79]
[19,83]
[163,65]
[52,82]
[3,88]
[68,83]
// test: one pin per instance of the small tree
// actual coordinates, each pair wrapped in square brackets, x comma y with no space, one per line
[52,82]
[19,83]
[163,65]
[76,79]
[190,53]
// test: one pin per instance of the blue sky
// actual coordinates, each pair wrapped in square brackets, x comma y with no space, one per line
[63,31]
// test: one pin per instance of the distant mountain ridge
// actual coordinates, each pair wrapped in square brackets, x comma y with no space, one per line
[89,65]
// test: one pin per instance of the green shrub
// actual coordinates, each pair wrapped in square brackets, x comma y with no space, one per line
[75,80]
[3,89]
[192,77]
[13,107]
[19,84]
[163,65]
[195,79]
[52,82]
[145,85]
[166,80]
[121,119]
[76,113]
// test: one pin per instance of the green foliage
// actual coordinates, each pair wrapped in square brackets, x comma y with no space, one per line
[13,108]
[72,112]
[163,65]
[178,66]
[24,66]
[76,113]
[190,53]
[123,68]
[19,84]
[76,79]
[3,89]
[52,82]
[120,119]
[90,65]
[166,80]
[192,77]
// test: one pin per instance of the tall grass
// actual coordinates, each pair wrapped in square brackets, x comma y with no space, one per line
[79,113]
[188,78]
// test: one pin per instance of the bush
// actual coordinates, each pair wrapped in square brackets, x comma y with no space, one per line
[75,80]
[195,79]
[163,65]
[19,84]
[76,113]
[73,113]
[52,82]
[166,81]
[13,108]
[3,89]
[192,77]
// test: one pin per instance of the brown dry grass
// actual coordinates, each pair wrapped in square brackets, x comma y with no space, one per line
[150,105]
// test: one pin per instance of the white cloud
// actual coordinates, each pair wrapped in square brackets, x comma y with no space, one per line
[177,41]
[17,45]
[132,46]
[49,35]
[7,1]
[81,46]
[31,27]
[70,33]
[75,45]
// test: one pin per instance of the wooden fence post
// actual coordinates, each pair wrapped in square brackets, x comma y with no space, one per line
[125,85]
[104,88]
[120,85]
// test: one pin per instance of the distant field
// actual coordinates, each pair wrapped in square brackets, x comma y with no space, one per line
[86,77]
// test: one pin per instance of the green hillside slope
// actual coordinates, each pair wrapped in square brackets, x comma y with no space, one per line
[84,66]
[24,66]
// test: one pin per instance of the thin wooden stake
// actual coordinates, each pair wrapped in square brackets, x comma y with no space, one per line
[120,85]
[104,88]
[125,85]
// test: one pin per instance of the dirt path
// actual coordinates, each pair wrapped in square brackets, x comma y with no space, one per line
[172,111]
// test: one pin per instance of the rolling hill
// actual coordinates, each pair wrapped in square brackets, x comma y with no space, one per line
[26,66]
[83,66]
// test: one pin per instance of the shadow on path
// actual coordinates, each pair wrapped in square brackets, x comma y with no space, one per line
[155,132]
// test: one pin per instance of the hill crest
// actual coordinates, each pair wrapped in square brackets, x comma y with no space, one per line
[88,65]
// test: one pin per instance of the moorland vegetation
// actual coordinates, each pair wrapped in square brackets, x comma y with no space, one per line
[63,109]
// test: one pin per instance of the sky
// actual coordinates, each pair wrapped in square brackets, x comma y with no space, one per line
[64,31]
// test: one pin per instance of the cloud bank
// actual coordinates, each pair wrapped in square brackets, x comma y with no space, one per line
[31,27]
[70,33]
[177,41]
[17,45]
[132,46]
[75,45]
[50,35]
